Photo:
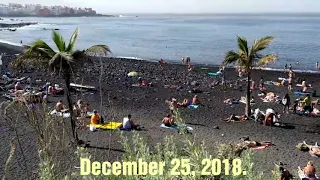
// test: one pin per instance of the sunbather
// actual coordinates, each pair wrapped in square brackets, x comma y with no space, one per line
[95,118]
[246,143]
[173,105]
[168,120]
[304,86]
[129,124]
[233,117]
[309,170]
[185,103]
[60,107]
[307,103]
[315,150]
[195,100]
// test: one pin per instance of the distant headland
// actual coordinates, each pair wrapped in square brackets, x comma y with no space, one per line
[37,10]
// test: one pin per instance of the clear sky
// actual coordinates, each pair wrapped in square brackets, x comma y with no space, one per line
[185,6]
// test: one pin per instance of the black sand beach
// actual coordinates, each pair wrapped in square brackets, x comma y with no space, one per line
[147,106]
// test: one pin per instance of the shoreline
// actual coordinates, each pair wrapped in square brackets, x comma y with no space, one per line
[18,48]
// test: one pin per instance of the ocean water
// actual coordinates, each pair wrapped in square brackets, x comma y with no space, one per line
[204,38]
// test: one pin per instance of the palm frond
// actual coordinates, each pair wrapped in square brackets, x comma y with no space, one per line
[30,60]
[261,44]
[267,59]
[231,58]
[60,61]
[243,46]
[73,40]
[59,41]
[39,45]
[98,50]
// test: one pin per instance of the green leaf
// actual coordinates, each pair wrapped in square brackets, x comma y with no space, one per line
[59,41]
[73,40]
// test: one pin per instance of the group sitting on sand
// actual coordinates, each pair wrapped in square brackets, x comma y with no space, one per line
[174,104]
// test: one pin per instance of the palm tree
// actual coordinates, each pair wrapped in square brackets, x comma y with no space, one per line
[65,62]
[247,57]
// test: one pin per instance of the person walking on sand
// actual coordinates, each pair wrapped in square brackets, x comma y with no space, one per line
[317,66]
[290,67]
[182,60]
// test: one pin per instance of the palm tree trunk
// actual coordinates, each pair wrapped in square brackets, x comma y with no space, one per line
[73,122]
[248,110]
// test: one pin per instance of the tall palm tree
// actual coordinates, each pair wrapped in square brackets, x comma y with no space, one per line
[248,57]
[65,62]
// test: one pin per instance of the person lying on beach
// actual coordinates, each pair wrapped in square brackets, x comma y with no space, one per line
[195,100]
[231,101]
[185,103]
[304,86]
[246,143]
[60,107]
[315,150]
[309,170]
[129,124]
[233,118]
[168,120]
[271,117]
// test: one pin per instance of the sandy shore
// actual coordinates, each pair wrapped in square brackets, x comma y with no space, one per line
[146,104]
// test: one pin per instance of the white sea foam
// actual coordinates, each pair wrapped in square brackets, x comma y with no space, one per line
[135,58]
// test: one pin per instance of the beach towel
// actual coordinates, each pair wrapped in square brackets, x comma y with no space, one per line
[132,73]
[204,68]
[214,74]
[302,176]
[109,126]
[60,114]
[175,127]
[193,106]
[281,79]
[300,85]
[301,93]
[270,83]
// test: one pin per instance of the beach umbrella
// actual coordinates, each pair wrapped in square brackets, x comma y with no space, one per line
[132,73]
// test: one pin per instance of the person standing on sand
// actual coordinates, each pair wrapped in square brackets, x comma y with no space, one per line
[285,68]
[286,103]
[290,81]
[188,60]
[290,67]
[317,66]
[182,60]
